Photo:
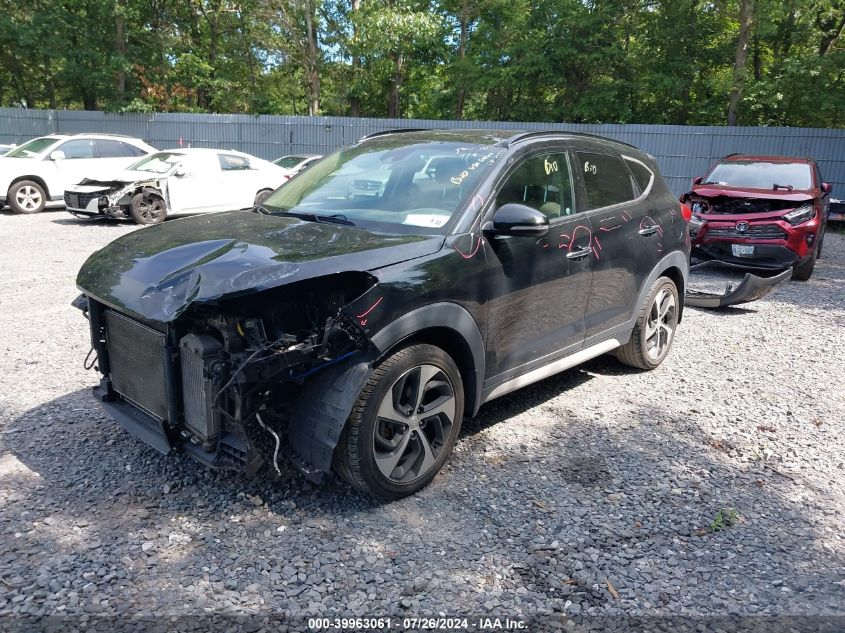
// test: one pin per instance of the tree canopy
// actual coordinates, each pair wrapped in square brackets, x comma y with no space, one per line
[697,62]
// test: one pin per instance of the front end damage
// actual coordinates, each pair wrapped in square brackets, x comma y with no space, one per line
[110,198]
[762,231]
[221,380]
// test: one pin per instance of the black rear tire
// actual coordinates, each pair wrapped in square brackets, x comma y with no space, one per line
[365,455]
[648,346]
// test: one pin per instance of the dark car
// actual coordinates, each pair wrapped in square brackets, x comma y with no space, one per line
[836,212]
[371,303]
[764,212]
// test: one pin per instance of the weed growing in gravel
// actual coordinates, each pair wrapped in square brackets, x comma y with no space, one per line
[725,518]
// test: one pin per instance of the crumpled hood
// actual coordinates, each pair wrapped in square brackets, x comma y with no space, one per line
[159,271]
[117,179]
[712,191]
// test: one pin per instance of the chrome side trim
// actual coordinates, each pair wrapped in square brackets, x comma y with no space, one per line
[553,368]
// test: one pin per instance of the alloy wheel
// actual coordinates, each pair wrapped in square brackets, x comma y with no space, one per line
[415,418]
[28,198]
[660,325]
[153,210]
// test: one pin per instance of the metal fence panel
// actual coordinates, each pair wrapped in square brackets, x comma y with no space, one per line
[681,151]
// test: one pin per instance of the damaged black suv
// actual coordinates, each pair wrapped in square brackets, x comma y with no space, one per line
[363,309]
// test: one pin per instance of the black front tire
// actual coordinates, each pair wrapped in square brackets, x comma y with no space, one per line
[27,196]
[358,448]
[804,270]
[147,208]
[261,196]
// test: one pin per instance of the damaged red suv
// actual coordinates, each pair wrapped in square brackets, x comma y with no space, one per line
[764,212]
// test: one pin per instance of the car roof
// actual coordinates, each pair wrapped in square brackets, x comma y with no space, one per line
[766,159]
[501,138]
[84,135]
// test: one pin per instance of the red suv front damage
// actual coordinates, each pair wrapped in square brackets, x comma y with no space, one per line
[760,212]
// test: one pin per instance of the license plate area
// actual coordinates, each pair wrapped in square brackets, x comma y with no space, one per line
[73,199]
[742,250]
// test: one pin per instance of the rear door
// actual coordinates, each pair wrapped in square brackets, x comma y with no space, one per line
[114,155]
[240,181]
[540,286]
[628,234]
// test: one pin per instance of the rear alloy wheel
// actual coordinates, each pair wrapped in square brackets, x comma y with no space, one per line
[147,208]
[404,425]
[27,196]
[655,328]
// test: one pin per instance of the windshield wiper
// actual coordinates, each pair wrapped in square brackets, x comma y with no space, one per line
[787,187]
[336,218]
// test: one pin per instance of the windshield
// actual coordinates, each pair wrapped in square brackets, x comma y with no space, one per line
[389,184]
[160,163]
[34,148]
[289,162]
[761,175]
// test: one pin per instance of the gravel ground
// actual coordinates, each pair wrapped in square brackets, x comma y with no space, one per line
[592,494]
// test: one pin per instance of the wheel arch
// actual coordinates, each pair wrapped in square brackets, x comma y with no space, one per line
[36,179]
[677,276]
[450,327]
[322,409]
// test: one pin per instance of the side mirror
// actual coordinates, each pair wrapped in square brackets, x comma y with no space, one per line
[179,172]
[518,220]
[57,155]
[827,187]
[697,180]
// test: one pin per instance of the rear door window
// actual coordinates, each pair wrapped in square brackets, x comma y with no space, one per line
[78,149]
[107,148]
[607,180]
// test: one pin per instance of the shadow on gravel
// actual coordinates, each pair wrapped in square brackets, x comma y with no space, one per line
[583,500]
[73,221]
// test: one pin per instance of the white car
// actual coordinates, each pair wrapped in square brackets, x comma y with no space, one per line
[176,182]
[36,174]
[296,163]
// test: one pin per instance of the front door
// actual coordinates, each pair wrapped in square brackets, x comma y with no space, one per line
[540,286]
[199,186]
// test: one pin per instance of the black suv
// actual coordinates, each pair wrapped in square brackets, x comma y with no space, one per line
[363,309]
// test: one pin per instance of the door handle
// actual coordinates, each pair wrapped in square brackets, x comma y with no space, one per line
[648,231]
[579,253]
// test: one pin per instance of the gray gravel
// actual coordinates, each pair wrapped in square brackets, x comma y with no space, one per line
[600,481]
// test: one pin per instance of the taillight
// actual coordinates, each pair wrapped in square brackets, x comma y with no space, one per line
[686,212]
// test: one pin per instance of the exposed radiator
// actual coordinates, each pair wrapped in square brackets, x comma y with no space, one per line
[196,352]
[137,362]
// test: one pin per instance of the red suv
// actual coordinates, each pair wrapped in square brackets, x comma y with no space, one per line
[765,212]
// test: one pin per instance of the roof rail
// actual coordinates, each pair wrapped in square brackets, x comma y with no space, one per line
[100,134]
[526,135]
[734,154]
[394,131]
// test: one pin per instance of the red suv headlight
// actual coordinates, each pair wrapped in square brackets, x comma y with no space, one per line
[804,213]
